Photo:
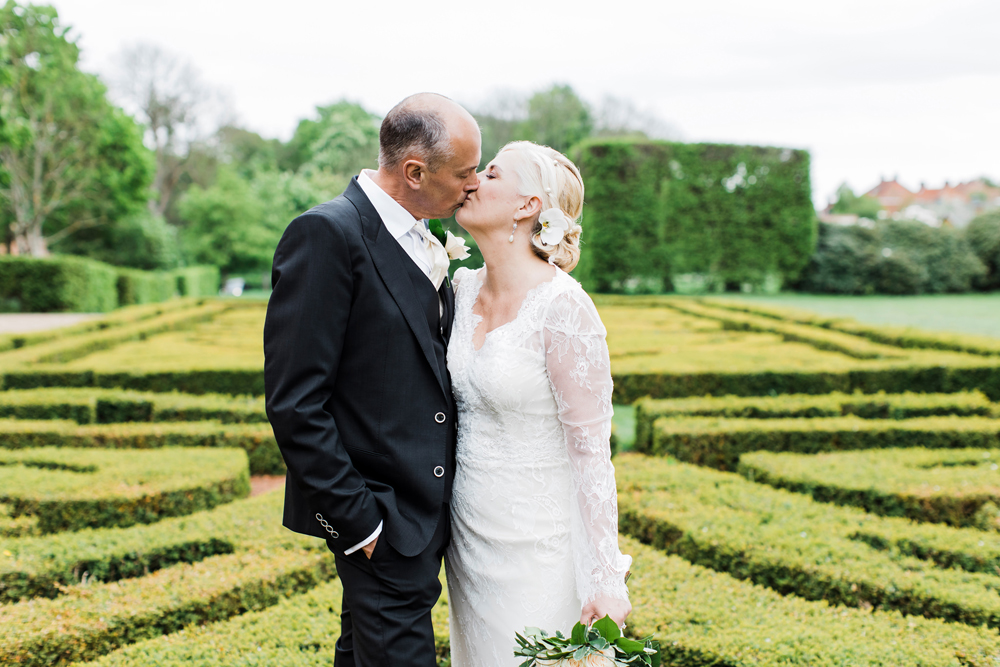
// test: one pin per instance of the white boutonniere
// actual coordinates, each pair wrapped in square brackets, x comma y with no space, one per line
[555,224]
[455,245]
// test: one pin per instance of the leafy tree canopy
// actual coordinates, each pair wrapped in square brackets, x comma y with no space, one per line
[850,203]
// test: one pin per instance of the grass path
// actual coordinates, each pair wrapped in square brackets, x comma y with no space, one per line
[960,313]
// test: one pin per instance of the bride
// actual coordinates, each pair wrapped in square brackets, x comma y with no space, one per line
[534,506]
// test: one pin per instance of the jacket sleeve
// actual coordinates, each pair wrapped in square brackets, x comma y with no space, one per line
[304,333]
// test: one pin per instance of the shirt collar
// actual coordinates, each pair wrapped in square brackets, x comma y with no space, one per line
[397,219]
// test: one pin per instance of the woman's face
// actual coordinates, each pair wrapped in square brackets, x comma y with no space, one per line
[496,203]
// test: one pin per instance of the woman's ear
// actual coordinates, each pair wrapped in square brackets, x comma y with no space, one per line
[413,173]
[529,210]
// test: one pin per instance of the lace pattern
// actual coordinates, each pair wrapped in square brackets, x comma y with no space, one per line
[534,508]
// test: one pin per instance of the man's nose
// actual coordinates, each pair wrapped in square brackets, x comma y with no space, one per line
[473,183]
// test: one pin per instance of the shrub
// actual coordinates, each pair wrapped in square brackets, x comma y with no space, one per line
[787,406]
[957,487]
[69,489]
[256,439]
[94,621]
[45,566]
[138,287]
[657,211]
[790,543]
[198,280]
[719,443]
[895,257]
[983,235]
[904,337]
[72,284]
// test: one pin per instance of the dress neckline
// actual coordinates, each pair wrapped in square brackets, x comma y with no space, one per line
[477,319]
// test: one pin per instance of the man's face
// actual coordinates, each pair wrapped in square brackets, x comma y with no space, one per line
[445,190]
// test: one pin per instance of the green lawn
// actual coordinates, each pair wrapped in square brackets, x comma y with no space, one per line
[960,313]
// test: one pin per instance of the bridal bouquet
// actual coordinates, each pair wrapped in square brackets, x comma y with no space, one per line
[599,645]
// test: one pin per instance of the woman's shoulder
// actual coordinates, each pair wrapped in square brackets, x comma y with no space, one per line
[464,273]
[570,308]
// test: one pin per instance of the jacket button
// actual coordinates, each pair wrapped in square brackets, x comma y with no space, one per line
[439,472]
[439,418]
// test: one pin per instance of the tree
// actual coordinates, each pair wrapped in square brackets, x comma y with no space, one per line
[343,140]
[556,117]
[850,203]
[619,117]
[70,160]
[169,98]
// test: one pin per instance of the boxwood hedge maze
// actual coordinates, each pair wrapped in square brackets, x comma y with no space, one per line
[801,491]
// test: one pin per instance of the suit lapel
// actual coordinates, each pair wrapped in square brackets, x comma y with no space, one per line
[385,252]
[447,294]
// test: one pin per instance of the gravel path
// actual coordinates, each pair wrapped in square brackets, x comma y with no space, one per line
[28,322]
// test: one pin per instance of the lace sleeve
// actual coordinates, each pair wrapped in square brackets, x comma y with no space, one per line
[579,370]
[460,274]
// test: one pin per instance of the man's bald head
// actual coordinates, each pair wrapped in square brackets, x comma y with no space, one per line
[424,126]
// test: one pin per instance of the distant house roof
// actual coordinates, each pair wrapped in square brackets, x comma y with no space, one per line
[891,195]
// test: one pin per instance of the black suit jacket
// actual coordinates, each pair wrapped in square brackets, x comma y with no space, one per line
[357,390]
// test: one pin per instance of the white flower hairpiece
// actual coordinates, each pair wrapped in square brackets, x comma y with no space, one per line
[555,224]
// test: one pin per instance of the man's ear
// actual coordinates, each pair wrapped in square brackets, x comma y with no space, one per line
[413,173]
[530,209]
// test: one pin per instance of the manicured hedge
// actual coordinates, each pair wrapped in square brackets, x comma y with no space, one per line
[235,381]
[658,211]
[197,280]
[109,406]
[256,439]
[95,619]
[121,317]
[866,406]
[299,632]
[719,443]
[70,284]
[893,379]
[821,339]
[705,618]
[903,337]
[138,287]
[790,543]
[69,489]
[45,566]
[957,487]
[65,349]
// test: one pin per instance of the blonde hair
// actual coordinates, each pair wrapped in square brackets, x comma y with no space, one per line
[546,173]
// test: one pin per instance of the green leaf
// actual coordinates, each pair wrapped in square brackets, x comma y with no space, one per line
[581,653]
[608,629]
[437,229]
[629,645]
[579,634]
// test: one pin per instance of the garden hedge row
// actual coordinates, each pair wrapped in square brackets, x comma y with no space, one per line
[96,619]
[110,406]
[790,543]
[299,632]
[45,566]
[941,378]
[821,339]
[256,439]
[719,443]
[659,212]
[866,406]
[957,487]
[903,337]
[236,381]
[67,489]
[76,284]
[68,348]
[121,317]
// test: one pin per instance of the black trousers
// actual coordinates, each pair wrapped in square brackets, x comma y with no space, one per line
[386,615]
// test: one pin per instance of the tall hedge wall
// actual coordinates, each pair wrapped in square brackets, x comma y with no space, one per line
[77,284]
[662,215]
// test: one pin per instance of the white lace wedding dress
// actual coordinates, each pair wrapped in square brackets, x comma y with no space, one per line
[534,507]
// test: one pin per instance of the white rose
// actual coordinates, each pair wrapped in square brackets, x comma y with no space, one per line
[555,224]
[456,247]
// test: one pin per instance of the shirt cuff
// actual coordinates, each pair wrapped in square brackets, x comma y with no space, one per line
[366,542]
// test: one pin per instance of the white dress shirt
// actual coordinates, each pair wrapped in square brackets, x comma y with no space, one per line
[400,224]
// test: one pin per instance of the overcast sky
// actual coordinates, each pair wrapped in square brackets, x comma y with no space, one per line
[871,88]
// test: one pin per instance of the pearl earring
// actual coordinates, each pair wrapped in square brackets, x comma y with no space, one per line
[511,239]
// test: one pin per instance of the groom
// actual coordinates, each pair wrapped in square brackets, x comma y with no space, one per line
[357,388]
